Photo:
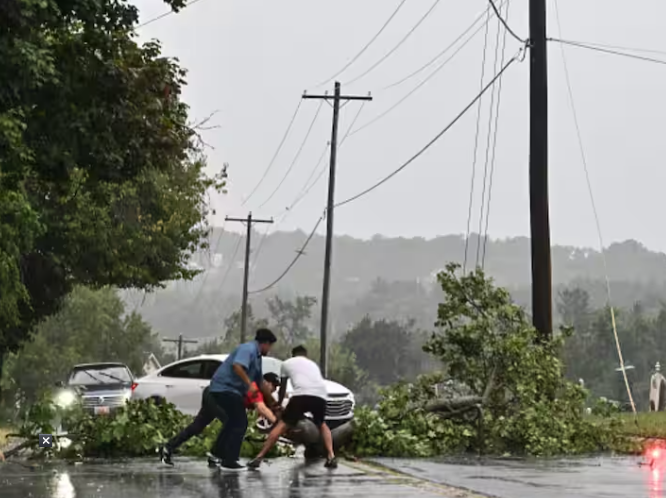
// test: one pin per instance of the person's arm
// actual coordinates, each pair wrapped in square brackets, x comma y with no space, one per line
[241,366]
[268,395]
[265,412]
[284,373]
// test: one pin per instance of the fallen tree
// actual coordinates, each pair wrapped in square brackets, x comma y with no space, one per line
[517,401]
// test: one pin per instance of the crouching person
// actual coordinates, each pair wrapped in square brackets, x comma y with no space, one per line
[309,396]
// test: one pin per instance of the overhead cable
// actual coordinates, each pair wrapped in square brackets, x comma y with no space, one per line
[505,23]
[305,192]
[367,45]
[494,145]
[277,151]
[397,46]
[307,185]
[489,146]
[298,154]
[162,16]
[477,134]
[596,217]
[291,265]
[417,87]
[436,138]
[607,51]
[621,47]
[448,47]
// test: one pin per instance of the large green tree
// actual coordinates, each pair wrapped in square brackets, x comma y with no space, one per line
[101,176]
[91,326]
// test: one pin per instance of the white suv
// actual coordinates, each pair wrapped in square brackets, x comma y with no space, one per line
[183,381]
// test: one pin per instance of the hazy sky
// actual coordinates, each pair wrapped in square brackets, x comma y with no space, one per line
[251,61]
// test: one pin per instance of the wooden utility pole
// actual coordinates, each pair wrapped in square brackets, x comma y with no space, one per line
[246,269]
[180,341]
[542,312]
[336,97]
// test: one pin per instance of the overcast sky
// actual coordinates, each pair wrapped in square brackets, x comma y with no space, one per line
[251,61]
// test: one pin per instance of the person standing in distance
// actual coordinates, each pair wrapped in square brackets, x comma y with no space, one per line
[308,396]
[239,375]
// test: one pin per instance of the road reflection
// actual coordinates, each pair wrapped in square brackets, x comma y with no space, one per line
[62,486]
[656,483]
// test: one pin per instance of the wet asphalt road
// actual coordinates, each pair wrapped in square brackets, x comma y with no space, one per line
[602,477]
[286,478]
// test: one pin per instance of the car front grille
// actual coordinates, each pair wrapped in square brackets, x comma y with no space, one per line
[336,408]
[104,400]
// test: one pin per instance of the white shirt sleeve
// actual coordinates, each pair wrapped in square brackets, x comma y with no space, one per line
[284,369]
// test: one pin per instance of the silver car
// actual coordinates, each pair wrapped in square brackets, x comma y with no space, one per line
[100,387]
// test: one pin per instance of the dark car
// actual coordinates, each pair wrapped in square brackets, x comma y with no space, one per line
[101,387]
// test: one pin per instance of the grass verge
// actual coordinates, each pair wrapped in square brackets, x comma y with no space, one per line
[645,425]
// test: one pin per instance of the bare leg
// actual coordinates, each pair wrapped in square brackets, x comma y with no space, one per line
[273,437]
[328,440]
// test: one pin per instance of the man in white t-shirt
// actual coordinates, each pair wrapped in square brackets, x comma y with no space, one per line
[309,396]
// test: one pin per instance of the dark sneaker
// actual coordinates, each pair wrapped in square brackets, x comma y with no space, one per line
[213,461]
[165,456]
[331,463]
[232,466]
[254,464]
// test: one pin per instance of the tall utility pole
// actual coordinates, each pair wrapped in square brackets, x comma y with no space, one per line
[329,215]
[542,312]
[180,341]
[246,269]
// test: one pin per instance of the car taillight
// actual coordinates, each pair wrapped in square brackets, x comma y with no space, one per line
[134,386]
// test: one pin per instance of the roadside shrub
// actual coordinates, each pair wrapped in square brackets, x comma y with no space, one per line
[136,430]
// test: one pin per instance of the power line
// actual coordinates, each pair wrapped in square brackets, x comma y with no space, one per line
[398,45]
[477,134]
[505,23]
[417,87]
[162,16]
[449,47]
[436,138]
[291,265]
[305,192]
[207,272]
[489,146]
[494,150]
[367,45]
[231,262]
[594,211]
[277,151]
[623,48]
[298,154]
[607,51]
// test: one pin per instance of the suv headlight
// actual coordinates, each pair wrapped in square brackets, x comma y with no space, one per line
[65,399]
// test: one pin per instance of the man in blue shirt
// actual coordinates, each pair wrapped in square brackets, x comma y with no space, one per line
[232,381]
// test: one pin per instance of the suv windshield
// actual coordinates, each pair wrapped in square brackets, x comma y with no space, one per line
[100,375]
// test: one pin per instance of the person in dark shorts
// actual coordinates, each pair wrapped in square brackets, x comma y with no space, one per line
[207,413]
[309,396]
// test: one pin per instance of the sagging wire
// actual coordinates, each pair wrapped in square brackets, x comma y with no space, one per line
[596,219]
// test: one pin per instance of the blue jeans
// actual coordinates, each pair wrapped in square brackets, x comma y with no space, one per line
[231,412]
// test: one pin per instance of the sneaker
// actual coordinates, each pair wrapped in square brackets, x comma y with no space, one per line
[232,466]
[331,463]
[165,455]
[254,464]
[213,461]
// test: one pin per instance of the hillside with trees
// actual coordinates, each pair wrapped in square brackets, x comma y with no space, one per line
[385,278]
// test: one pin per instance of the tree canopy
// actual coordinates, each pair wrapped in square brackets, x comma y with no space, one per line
[101,177]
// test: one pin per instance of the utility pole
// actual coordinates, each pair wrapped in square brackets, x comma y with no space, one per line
[542,312]
[329,214]
[246,269]
[180,341]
